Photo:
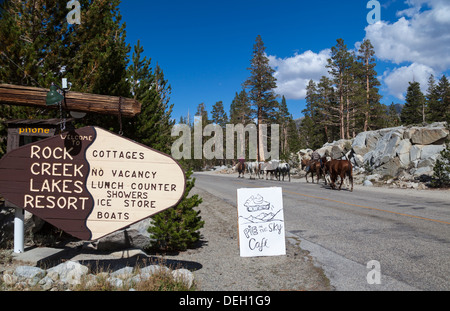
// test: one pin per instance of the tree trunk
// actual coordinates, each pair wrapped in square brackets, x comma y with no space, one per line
[366,119]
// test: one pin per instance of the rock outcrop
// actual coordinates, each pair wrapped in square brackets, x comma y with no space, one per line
[406,150]
[400,152]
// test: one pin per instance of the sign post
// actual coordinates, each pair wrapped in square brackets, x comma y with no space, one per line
[19,230]
[90,182]
[261,222]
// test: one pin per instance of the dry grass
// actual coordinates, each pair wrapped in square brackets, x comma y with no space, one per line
[161,280]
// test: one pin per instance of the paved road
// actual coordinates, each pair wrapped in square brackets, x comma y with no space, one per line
[406,231]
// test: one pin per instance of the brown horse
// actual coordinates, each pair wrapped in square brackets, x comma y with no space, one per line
[314,166]
[241,169]
[341,168]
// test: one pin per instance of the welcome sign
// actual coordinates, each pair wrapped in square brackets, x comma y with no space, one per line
[91,182]
[261,222]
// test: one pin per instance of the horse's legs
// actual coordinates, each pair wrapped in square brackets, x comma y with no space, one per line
[342,181]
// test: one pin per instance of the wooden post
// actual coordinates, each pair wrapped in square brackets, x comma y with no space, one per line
[75,101]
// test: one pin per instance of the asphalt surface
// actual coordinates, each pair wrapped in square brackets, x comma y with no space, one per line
[407,231]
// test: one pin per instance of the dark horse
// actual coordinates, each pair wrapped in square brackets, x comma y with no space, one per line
[241,169]
[314,167]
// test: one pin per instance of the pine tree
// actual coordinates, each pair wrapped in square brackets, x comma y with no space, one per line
[152,126]
[30,49]
[328,115]
[219,115]
[432,99]
[412,112]
[339,67]
[240,109]
[178,228]
[241,112]
[39,47]
[307,137]
[31,36]
[441,171]
[98,56]
[393,117]
[261,85]
[98,51]
[314,126]
[283,118]
[293,136]
[371,83]
[439,106]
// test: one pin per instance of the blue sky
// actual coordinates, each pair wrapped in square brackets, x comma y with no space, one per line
[205,47]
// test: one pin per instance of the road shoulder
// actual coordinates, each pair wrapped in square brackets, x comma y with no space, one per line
[222,268]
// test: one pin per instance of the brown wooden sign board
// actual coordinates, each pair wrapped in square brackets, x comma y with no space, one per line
[90,182]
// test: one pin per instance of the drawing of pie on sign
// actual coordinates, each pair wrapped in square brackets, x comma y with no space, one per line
[257,203]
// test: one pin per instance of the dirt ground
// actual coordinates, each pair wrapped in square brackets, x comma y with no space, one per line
[220,267]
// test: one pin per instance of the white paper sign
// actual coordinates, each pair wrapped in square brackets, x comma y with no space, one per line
[261,222]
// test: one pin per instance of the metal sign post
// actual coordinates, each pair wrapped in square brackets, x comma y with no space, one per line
[19,238]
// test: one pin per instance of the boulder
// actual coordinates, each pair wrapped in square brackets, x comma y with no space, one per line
[374,177]
[358,160]
[431,151]
[402,151]
[27,272]
[367,183]
[325,151]
[124,273]
[359,144]
[136,236]
[69,272]
[428,135]
[336,152]
[426,170]
[372,138]
[385,148]
[185,276]
[390,168]
[415,152]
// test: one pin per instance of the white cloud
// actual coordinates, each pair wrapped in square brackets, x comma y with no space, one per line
[419,40]
[293,73]
[397,81]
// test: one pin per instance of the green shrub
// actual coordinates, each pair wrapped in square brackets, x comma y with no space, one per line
[441,175]
[178,228]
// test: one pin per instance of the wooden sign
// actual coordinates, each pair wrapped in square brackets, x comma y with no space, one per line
[261,222]
[91,182]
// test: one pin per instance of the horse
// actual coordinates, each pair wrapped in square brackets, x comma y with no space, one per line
[241,169]
[271,168]
[261,169]
[341,168]
[253,168]
[314,166]
[282,170]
